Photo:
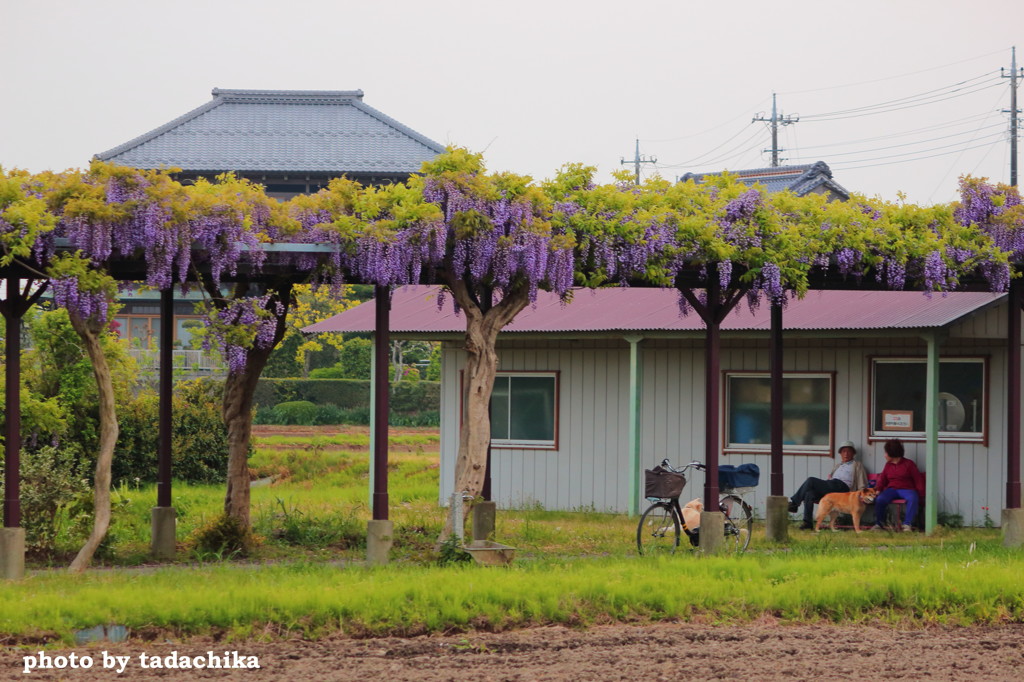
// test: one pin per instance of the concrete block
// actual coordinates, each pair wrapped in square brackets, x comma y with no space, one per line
[164,540]
[712,532]
[379,538]
[1013,527]
[12,553]
[777,518]
[484,514]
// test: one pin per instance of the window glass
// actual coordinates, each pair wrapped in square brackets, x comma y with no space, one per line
[806,411]
[523,409]
[899,396]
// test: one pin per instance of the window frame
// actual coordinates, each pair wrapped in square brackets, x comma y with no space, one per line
[919,436]
[508,444]
[758,449]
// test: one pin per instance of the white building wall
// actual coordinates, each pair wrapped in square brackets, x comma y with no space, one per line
[590,468]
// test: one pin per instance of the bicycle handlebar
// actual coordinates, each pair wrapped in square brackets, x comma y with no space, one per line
[699,466]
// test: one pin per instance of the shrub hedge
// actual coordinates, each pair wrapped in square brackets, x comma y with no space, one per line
[348,394]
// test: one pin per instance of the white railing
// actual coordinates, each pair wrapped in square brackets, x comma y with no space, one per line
[192,361]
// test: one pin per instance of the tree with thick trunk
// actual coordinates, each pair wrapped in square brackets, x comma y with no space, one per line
[240,384]
[89,330]
[483,322]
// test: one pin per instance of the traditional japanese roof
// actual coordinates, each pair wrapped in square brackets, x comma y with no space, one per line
[414,310]
[801,180]
[289,131]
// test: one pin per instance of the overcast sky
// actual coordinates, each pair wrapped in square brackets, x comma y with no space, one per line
[535,85]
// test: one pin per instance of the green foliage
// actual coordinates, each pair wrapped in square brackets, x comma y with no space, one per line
[224,536]
[949,586]
[199,441]
[56,499]
[433,372]
[406,397]
[59,376]
[295,412]
[951,520]
[339,529]
[356,354]
[451,552]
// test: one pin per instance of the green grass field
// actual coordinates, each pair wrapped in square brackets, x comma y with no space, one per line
[306,575]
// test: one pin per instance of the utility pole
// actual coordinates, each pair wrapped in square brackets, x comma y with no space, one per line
[1013,111]
[776,120]
[637,160]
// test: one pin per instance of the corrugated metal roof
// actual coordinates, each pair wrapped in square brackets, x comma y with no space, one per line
[414,310]
[280,131]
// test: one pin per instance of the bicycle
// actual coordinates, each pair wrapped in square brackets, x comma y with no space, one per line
[662,524]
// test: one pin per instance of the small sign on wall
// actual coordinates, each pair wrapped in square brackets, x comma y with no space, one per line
[897,420]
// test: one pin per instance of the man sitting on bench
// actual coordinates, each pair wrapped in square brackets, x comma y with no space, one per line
[846,475]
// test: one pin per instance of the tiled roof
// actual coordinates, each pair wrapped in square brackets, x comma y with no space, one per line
[801,179]
[414,310]
[280,131]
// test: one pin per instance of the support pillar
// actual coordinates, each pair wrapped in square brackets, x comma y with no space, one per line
[1012,516]
[163,539]
[712,532]
[931,419]
[12,537]
[12,553]
[777,512]
[777,518]
[380,531]
[164,525]
[379,538]
[635,387]
[484,514]
[381,355]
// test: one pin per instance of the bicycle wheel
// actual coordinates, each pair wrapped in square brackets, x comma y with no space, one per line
[658,531]
[739,522]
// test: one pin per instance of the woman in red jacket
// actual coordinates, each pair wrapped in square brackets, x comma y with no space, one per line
[900,478]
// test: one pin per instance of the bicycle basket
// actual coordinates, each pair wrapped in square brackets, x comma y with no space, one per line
[659,482]
[740,476]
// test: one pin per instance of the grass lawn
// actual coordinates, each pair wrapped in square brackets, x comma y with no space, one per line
[306,575]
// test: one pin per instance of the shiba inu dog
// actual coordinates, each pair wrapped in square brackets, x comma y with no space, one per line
[853,503]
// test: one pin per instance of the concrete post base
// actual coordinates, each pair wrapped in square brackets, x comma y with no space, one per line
[1013,527]
[12,553]
[163,543]
[777,518]
[712,532]
[483,520]
[379,538]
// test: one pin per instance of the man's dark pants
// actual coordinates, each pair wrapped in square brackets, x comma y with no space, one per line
[811,492]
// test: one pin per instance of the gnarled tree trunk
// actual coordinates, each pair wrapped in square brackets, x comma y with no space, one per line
[89,331]
[236,410]
[482,327]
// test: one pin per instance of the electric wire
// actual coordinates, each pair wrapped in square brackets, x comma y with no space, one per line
[841,165]
[818,118]
[918,142]
[927,94]
[896,77]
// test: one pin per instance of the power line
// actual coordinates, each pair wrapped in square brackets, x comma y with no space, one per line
[920,95]
[889,78]
[918,158]
[947,124]
[911,144]
[868,111]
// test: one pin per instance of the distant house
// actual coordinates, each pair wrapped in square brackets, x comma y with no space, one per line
[291,141]
[854,369]
[814,178]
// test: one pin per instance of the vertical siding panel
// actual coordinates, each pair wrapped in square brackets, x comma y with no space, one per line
[588,439]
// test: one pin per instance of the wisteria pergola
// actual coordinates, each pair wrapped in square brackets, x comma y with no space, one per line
[492,241]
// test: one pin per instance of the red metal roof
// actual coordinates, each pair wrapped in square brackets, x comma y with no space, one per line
[414,310]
